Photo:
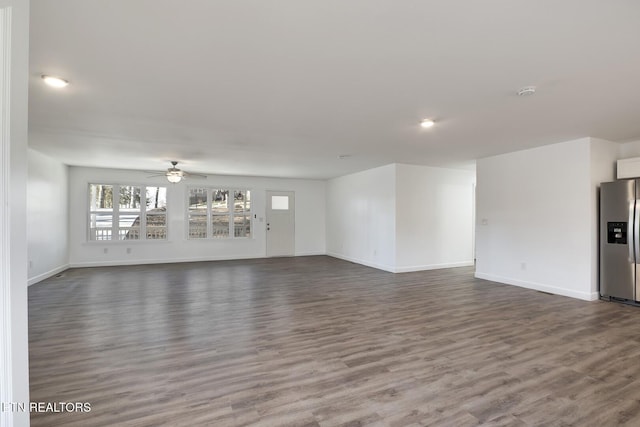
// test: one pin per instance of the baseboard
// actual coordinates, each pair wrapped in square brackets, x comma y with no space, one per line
[433,266]
[115,263]
[310,253]
[50,273]
[586,296]
[388,268]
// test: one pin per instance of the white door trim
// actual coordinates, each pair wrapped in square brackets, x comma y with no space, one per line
[6,377]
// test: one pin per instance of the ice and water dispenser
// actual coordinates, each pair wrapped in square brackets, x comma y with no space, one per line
[617,233]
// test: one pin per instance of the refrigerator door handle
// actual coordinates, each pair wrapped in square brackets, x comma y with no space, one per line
[631,234]
[636,231]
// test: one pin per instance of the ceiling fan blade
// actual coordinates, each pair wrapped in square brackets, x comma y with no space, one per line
[173,171]
[194,175]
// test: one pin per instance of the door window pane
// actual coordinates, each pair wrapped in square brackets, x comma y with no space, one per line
[280,203]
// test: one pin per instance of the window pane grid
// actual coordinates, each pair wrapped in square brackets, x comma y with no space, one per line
[218,213]
[121,212]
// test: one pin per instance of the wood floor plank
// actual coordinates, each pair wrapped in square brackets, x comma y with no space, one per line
[316,341]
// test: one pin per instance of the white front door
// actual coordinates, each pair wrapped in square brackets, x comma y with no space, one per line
[280,223]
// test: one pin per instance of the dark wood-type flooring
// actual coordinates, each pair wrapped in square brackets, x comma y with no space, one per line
[317,341]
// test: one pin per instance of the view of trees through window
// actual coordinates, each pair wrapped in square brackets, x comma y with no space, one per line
[127,212]
[219,213]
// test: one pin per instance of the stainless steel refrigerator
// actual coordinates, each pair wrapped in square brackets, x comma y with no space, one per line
[620,240]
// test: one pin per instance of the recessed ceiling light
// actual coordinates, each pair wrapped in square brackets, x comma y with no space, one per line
[526,91]
[54,81]
[427,123]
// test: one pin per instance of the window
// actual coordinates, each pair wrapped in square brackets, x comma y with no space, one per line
[219,213]
[280,203]
[127,212]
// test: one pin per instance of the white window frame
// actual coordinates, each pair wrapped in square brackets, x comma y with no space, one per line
[115,220]
[231,213]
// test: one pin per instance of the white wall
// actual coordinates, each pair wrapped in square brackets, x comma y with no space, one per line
[47,217]
[309,220]
[537,213]
[14,352]
[434,217]
[361,217]
[402,217]
[629,149]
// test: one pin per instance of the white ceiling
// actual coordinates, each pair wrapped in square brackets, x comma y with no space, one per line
[282,88]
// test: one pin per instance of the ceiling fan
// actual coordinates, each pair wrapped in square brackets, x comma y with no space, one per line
[175,175]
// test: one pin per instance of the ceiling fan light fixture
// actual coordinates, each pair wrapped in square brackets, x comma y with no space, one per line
[53,81]
[174,175]
[526,91]
[427,123]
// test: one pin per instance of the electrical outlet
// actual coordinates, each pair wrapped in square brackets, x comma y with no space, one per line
[105,251]
[523,266]
[128,250]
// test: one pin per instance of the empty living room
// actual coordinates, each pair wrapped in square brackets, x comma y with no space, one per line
[363,213]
